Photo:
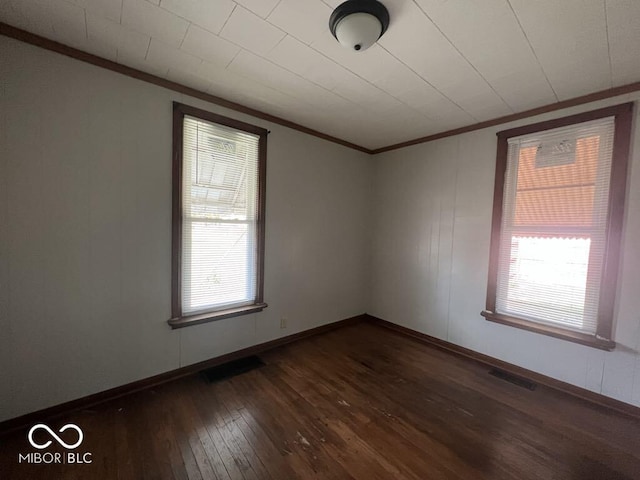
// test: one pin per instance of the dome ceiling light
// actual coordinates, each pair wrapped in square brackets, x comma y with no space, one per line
[358,24]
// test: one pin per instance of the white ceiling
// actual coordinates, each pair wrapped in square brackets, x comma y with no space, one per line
[442,64]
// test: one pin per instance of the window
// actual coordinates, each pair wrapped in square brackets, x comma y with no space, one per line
[557,224]
[219,168]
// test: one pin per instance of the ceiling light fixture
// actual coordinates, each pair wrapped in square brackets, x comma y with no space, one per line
[358,24]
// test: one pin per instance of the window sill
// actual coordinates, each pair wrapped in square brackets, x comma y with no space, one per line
[576,337]
[190,320]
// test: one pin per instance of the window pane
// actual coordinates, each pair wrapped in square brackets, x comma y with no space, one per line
[219,205]
[554,189]
[547,279]
[554,223]
[218,266]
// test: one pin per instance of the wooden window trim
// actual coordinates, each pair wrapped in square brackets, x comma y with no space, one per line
[623,115]
[177,319]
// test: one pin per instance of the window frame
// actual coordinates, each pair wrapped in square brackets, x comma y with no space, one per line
[603,338]
[178,320]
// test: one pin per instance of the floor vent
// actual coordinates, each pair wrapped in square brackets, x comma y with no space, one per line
[231,369]
[519,381]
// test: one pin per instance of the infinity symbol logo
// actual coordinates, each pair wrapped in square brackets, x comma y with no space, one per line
[53,434]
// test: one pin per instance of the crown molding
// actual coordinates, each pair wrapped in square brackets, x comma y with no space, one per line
[47,44]
[572,102]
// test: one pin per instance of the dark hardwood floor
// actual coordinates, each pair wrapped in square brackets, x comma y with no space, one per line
[356,403]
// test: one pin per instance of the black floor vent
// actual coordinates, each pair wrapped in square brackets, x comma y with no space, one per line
[231,369]
[519,381]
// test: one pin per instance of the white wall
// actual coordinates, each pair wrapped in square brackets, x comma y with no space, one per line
[85,233]
[431,234]
[85,224]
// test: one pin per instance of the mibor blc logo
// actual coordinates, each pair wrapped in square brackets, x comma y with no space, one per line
[56,457]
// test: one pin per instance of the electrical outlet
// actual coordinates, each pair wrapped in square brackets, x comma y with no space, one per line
[283,322]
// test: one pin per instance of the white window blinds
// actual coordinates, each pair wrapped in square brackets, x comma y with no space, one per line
[219,216]
[554,225]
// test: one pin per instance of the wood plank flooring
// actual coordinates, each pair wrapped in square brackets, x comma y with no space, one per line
[360,403]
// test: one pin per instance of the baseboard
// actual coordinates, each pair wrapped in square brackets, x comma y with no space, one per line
[579,392]
[49,413]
